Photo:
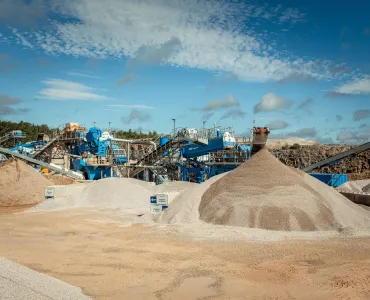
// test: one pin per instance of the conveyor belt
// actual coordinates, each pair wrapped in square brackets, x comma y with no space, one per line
[337,157]
[260,135]
[153,156]
[356,197]
[68,173]
[43,149]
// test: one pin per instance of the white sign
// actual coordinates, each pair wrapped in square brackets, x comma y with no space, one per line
[49,192]
[162,199]
[155,208]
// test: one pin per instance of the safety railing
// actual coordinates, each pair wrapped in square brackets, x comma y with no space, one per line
[223,156]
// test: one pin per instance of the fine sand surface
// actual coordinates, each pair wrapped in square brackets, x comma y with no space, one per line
[96,251]
[264,193]
[20,184]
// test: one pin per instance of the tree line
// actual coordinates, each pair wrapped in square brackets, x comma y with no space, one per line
[31,131]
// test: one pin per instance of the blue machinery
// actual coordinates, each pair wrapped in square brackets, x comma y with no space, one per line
[220,153]
[15,134]
[188,154]
[96,153]
[197,154]
[93,154]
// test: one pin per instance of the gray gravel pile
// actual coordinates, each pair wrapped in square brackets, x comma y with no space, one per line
[129,195]
[18,282]
[356,186]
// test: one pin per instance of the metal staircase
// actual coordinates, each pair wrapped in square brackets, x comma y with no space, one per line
[4,138]
[154,155]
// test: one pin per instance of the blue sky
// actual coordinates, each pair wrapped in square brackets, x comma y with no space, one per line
[303,69]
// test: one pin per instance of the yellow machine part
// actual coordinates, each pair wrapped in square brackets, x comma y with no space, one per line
[44,170]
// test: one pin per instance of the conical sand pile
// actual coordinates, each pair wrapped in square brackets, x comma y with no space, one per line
[264,193]
[20,184]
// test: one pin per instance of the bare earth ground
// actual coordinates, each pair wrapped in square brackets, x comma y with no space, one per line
[93,250]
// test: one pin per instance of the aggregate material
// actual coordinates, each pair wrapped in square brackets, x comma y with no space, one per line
[356,186]
[264,193]
[19,282]
[20,184]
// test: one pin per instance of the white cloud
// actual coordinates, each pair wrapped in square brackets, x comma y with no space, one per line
[360,86]
[83,75]
[59,89]
[271,102]
[186,33]
[218,104]
[300,133]
[278,124]
[124,106]
[234,114]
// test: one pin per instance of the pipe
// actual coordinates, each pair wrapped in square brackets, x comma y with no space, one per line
[134,142]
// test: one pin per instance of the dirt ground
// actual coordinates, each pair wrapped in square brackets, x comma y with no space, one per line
[93,250]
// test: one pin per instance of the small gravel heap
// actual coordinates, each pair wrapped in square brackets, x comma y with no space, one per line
[20,184]
[264,193]
[356,186]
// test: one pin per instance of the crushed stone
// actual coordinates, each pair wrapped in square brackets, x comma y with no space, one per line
[20,282]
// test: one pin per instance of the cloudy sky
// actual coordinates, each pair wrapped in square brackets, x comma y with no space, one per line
[301,67]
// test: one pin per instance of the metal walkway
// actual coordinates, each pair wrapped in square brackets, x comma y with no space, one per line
[337,157]
[44,148]
[68,173]
[9,136]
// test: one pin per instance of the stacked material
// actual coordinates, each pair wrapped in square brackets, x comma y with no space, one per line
[126,194]
[277,144]
[19,282]
[264,193]
[356,186]
[20,184]
[118,193]
[58,179]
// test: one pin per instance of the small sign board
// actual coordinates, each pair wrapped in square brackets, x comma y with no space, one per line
[49,192]
[158,203]
[155,208]
[162,199]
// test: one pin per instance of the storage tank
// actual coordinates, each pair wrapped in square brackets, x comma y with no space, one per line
[163,140]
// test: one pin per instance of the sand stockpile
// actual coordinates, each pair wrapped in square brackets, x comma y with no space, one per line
[20,184]
[128,195]
[60,179]
[264,193]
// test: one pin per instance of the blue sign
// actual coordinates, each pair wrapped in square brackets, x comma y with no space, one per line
[153,199]
[164,207]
